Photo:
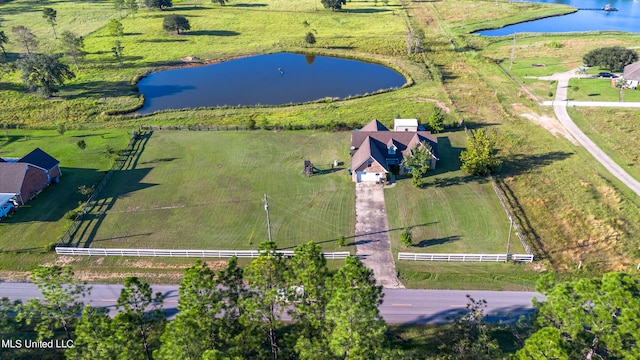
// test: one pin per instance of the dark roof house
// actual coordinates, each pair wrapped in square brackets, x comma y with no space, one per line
[23,180]
[375,150]
[29,175]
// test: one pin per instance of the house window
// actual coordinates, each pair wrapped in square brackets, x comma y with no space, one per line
[392,149]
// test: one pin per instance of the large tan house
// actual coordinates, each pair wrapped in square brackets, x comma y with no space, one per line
[376,151]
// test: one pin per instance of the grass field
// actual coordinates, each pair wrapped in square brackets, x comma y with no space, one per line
[204,190]
[616,131]
[453,212]
[570,207]
[42,221]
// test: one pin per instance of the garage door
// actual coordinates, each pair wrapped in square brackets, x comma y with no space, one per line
[368,176]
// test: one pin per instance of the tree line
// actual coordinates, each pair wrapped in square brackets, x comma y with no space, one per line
[237,313]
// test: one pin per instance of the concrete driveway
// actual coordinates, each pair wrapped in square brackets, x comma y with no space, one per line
[372,235]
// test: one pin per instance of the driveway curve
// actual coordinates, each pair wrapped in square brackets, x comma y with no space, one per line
[560,108]
[372,235]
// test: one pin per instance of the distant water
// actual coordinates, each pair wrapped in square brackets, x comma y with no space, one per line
[625,19]
[274,79]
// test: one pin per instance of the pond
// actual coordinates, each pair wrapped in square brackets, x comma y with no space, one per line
[274,79]
[625,19]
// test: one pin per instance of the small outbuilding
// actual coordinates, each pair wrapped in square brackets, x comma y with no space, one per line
[405,125]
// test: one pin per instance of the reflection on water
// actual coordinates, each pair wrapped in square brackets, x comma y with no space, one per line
[625,19]
[273,79]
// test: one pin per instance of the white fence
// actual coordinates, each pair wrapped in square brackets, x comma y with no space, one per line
[61,250]
[465,257]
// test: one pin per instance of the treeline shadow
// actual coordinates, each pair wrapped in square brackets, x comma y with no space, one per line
[243,5]
[100,89]
[213,33]
[522,163]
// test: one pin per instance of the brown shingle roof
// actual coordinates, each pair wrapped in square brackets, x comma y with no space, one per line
[402,139]
[12,176]
[374,125]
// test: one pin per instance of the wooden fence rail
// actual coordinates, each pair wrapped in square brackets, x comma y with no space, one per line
[466,257]
[63,250]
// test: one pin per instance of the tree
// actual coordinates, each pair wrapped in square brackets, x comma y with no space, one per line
[419,162]
[73,46]
[118,5]
[468,337]
[310,38]
[612,58]
[479,157]
[61,129]
[140,320]
[265,277]
[86,190]
[333,4]
[196,328]
[60,305]
[436,120]
[118,52]
[94,336]
[581,71]
[158,4]
[418,38]
[81,144]
[115,28]
[238,335]
[587,319]
[3,41]
[356,327]
[50,15]
[406,238]
[44,73]
[25,37]
[307,283]
[132,6]
[175,23]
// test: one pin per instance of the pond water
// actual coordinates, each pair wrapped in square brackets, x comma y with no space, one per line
[625,19]
[273,79]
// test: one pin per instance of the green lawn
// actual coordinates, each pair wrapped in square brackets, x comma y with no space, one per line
[42,221]
[600,90]
[204,190]
[616,131]
[453,212]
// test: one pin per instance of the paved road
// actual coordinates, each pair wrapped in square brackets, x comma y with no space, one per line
[372,235]
[401,306]
[560,107]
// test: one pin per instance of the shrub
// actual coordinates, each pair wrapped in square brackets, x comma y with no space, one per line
[406,238]
[341,241]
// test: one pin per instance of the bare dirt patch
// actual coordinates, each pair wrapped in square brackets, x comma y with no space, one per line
[438,103]
[549,123]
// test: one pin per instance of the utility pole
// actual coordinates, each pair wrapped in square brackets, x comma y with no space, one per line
[513,49]
[509,238]
[266,208]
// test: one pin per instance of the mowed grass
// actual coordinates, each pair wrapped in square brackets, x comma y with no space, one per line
[204,190]
[615,131]
[252,27]
[41,221]
[453,212]
[536,56]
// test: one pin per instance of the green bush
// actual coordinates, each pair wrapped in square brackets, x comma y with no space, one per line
[406,238]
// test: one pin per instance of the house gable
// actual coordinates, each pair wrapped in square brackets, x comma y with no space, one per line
[632,72]
[375,150]
[41,159]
